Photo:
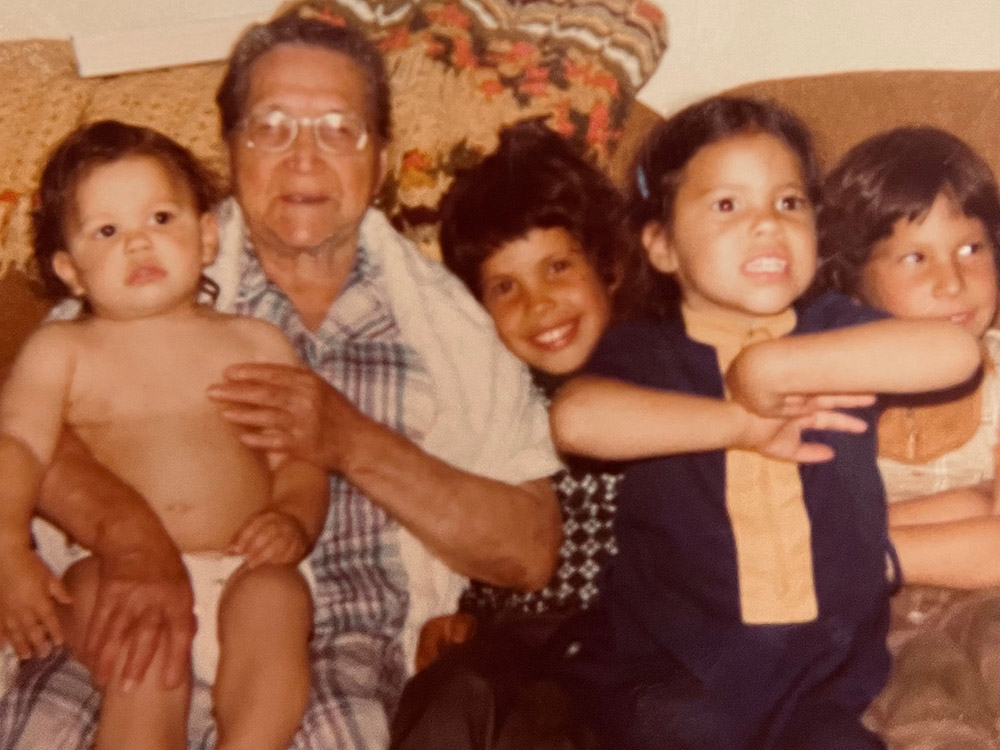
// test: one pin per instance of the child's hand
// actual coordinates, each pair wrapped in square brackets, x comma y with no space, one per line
[782,438]
[440,632]
[28,617]
[272,537]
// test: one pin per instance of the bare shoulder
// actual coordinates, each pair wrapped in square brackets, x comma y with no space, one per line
[51,342]
[265,340]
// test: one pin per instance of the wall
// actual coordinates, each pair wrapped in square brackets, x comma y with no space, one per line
[714,44]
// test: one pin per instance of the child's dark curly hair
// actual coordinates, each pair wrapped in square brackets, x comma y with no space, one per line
[535,179]
[897,175]
[91,146]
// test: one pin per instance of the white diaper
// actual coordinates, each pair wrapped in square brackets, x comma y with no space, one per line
[209,572]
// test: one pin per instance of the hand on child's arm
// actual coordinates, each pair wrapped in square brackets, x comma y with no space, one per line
[274,537]
[28,589]
[440,632]
[144,600]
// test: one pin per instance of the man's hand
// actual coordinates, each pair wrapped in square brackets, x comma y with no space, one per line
[143,599]
[440,632]
[144,603]
[28,617]
[286,409]
[272,537]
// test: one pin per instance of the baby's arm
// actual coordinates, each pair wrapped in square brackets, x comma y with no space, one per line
[31,410]
[779,377]
[614,420]
[288,528]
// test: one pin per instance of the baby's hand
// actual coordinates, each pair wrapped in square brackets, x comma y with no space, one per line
[782,438]
[28,617]
[440,632]
[271,537]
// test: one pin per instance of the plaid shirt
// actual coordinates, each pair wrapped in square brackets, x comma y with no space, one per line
[361,588]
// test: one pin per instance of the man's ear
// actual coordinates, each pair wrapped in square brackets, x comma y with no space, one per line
[65,269]
[209,238]
[659,248]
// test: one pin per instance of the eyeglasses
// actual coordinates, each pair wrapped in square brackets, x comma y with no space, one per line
[337,132]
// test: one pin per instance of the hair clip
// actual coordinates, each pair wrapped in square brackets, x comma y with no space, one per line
[640,182]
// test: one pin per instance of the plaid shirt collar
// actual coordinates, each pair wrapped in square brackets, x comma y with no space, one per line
[361,310]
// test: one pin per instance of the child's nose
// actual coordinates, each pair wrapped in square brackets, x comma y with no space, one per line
[948,279]
[136,240]
[541,297]
[766,217]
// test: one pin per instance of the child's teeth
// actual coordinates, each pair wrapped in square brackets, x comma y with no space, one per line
[553,335]
[766,265]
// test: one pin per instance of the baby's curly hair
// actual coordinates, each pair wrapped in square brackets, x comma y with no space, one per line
[91,146]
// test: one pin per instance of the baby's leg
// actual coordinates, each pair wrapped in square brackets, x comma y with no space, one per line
[262,686]
[147,716]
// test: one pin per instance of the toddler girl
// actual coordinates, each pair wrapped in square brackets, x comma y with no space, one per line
[748,604]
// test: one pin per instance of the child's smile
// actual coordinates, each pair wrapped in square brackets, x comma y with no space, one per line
[549,305]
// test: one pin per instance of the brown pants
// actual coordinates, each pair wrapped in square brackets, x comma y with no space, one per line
[495,692]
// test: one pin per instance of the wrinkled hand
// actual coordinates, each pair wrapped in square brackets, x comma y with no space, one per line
[440,632]
[287,409]
[144,603]
[271,537]
[782,438]
[28,619]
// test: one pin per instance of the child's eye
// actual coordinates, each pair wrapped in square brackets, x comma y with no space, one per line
[913,259]
[725,205]
[106,230]
[499,288]
[163,217]
[793,203]
[558,265]
[969,249]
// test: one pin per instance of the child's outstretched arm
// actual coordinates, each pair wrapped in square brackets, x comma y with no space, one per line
[31,409]
[783,376]
[613,420]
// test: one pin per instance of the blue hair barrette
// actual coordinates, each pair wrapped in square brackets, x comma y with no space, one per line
[640,182]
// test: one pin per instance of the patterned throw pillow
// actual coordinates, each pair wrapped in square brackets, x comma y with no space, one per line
[461,70]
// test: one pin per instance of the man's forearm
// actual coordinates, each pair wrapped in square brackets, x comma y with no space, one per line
[94,506]
[484,529]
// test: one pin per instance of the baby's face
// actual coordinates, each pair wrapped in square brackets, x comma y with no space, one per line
[135,242]
[939,266]
[549,304]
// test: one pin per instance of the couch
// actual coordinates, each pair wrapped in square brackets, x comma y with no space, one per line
[457,78]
